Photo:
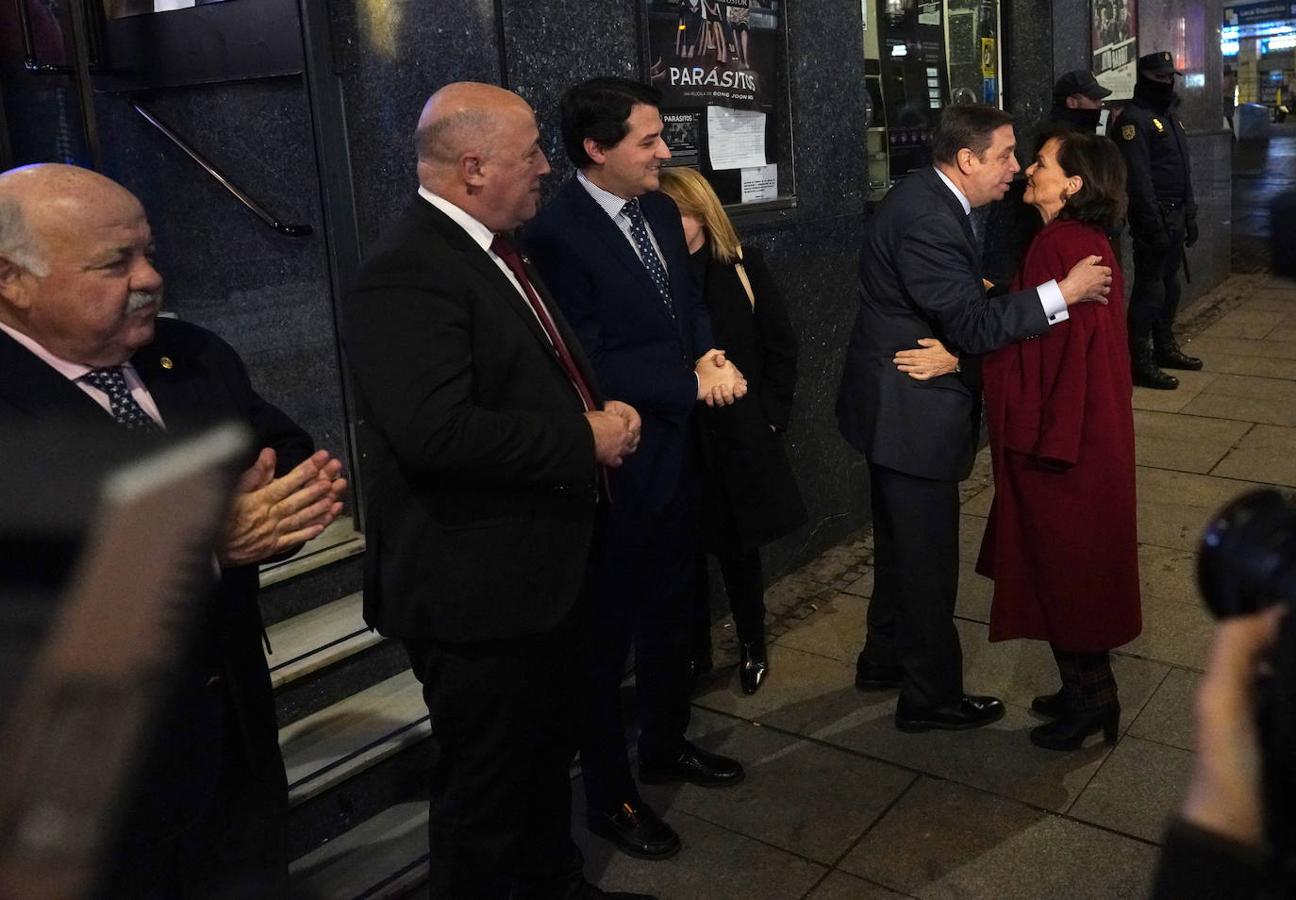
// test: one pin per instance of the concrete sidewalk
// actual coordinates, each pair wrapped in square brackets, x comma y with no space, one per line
[839,804]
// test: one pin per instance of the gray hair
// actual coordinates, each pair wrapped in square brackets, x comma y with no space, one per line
[17,243]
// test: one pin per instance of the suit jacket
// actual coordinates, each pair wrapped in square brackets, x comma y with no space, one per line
[204,384]
[479,462]
[642,354]
[746,464]
[920,276]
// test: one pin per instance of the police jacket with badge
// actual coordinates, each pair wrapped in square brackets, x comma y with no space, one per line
[1152,140]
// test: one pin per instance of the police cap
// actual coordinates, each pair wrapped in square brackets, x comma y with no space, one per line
[1081,81]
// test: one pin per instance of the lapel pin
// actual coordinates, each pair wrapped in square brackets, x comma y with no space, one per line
[167,363]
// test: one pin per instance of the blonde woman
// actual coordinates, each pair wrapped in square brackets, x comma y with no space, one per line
[750,495]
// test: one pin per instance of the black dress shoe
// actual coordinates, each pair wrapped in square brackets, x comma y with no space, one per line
[635,829]
[967,712]
[1170,356]
[753,665]
[694,765]
[1070,731]
[875,677]
[1051,705]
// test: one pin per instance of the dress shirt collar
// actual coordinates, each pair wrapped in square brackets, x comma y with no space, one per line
[609,202]
[480,234]
[963,201]
[69,370]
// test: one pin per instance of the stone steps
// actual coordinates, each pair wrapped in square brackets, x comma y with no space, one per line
[384,856]
[353,732]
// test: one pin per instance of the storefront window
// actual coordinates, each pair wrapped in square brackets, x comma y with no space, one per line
[972,39]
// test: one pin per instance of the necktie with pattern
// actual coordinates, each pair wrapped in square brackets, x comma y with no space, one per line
[648,255]
[123,406]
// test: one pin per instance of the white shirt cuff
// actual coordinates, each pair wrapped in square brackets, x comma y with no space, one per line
[1055,307]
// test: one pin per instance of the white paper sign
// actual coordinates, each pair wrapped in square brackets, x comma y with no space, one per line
[735,137]
[759,183]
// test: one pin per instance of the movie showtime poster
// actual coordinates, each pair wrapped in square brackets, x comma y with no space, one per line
[1115,45]
[714,52]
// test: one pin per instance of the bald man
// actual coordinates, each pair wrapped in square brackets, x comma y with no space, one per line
[81,346]
[486,442]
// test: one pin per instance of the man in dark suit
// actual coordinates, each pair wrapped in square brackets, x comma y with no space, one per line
[485,440]
[613,252]
[920,277]
[81,348]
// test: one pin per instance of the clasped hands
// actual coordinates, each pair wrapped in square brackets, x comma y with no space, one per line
[269,515]
[719,381]
[616,430]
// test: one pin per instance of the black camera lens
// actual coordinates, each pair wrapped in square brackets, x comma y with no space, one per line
[1247,559]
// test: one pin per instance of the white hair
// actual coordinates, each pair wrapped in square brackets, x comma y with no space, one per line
[16,241]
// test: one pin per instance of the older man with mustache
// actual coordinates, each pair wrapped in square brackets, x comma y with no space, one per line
[81,348]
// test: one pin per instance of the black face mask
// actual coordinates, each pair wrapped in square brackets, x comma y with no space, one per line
[1155,92]
[1080,119]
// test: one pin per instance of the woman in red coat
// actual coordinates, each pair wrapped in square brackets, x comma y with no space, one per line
[1061,543]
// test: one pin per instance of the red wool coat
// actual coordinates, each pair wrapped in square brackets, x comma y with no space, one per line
[1061,543]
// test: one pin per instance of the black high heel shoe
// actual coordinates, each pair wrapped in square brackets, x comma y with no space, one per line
[1051,705]
[1070,731]
[753,665]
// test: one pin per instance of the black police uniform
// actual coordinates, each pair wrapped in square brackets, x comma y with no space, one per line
[1162,218]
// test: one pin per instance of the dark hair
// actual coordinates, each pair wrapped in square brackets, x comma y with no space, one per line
[598,109]
[970,125]
[1101,199]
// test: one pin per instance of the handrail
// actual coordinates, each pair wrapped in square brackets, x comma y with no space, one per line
[256,209]
[30,61]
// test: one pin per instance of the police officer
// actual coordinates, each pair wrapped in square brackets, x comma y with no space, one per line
[1077,101]
[1162,218]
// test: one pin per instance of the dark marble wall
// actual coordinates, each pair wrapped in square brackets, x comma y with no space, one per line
[268,295]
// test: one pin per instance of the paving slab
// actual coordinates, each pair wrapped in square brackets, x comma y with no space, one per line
[974,595]
[997,758]
[979,503]
[1182,442]
[1246,322]
[1168,573]
[1174,633]
[811,800]
[1206,347]
[1266,454]
[803,689]
[1190,385]
[1174,507]
[1221,363]
[1137,789]
[1168,717]
[943,840]
[862,586]
[714,864]
[835,629]
[840,886]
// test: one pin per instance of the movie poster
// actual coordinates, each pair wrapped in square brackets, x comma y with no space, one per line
[1115,45]
[714,52]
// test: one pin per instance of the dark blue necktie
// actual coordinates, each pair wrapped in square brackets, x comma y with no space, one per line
[122,405]
[648,255]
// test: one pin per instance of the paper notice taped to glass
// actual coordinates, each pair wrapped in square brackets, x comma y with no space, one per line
[735,137]
[759,183]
